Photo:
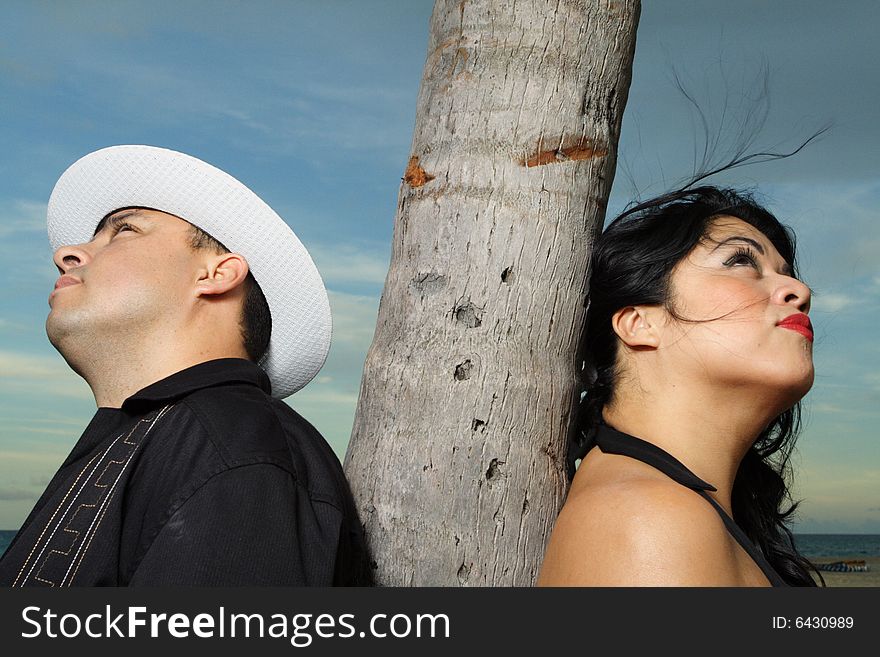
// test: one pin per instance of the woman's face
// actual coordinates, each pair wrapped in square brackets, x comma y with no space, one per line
[750,328]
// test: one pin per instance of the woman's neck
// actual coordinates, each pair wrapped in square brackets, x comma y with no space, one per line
[709,434]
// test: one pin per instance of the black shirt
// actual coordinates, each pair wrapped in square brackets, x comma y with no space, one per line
[201,478]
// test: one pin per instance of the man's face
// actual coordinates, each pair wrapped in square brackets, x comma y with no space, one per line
[135,275]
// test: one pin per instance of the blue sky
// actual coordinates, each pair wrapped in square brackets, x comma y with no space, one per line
[311,104]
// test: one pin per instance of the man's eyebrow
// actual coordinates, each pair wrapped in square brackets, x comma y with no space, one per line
[115,219]
[740,238]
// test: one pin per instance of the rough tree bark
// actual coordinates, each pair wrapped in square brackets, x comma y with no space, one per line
[457,453]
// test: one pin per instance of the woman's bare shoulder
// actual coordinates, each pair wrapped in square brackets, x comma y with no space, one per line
[638,531]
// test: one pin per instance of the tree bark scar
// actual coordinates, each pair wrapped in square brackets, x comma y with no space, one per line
[468,314]
[494,474]
[578,148]
[463,370]
[428,283]
[461,56]
[415,175]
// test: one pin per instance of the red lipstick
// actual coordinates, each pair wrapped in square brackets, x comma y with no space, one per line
[799,323]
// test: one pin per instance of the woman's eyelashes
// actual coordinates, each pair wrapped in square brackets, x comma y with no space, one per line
[742,256]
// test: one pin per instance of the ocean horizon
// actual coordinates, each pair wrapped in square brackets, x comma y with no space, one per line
[812,546]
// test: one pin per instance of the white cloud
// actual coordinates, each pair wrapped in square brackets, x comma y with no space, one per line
[317,395]
[347,263]
[872,379]
[354,95]
[18,366]
[19,429]
[832,303]
[835,496]
[32,459]
[825,407]
[837,228]
[280,114]
[40,375]
[354,319]
[21,216]
[10,494]
[330,401]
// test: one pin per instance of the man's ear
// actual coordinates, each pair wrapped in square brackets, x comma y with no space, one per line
[636,326]
[222,273]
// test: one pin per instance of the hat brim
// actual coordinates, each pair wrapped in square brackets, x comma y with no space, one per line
[182,185]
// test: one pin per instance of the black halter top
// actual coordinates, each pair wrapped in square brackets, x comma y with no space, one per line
[612,441]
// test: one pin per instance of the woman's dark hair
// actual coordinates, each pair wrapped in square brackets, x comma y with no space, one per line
[631,264]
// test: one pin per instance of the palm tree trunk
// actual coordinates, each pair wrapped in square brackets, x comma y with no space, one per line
[457,453]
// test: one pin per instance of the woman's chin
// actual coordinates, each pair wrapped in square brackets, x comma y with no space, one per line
[804,382]
[790,388]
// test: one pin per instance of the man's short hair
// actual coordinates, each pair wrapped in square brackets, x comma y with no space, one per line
[256,320]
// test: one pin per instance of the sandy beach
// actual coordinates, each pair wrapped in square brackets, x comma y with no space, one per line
[870,578]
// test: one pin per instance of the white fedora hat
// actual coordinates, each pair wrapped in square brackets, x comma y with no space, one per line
[182,185]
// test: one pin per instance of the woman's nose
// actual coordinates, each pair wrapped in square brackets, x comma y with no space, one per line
[793,292]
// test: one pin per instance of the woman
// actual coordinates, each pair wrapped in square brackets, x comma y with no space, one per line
[701,349]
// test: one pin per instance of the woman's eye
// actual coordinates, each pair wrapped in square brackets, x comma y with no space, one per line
[742,258]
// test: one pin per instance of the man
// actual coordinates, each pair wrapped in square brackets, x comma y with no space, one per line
[191,309]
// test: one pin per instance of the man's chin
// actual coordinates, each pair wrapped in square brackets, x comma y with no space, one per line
[61,331]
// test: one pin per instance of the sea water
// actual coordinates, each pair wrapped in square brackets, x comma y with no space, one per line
[838,545]
[810,545]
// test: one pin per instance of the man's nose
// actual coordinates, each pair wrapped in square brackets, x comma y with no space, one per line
[70,257]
